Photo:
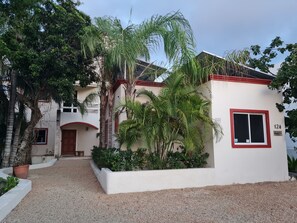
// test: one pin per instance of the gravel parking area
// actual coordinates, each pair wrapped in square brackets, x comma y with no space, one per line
[69,192]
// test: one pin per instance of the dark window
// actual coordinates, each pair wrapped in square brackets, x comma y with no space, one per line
[40,136]
[241,127]
[257,128]
[250,128]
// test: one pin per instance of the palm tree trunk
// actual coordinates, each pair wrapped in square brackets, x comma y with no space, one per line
[16,138]
[10,122]
[103,100]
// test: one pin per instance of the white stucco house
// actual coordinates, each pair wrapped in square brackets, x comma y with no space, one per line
[64,131]
[252,148]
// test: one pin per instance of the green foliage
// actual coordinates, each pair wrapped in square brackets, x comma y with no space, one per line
[41,40]
[178,160]
[178,115]
[7,184]
[286,79]
[118,160]
[292,164]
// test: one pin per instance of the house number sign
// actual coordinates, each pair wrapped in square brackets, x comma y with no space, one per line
[277,126]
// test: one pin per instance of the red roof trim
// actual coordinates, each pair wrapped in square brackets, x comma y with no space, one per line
[79,123]
[248,80]
[138,83]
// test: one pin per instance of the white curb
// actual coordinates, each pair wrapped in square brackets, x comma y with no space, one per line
[12,198]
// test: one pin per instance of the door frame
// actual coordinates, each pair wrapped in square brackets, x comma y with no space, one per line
[62,142]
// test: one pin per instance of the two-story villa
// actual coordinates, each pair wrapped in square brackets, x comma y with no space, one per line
[64,131]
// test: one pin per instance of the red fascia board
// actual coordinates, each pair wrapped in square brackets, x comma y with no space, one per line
[237,79]
[78,123]
[138,83]
[254,146]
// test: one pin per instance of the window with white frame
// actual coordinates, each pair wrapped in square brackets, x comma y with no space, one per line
[70,106]
[40,136]
[250,128]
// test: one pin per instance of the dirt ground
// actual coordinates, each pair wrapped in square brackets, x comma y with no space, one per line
[69,192]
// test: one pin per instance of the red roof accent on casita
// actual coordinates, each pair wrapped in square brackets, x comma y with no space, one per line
[248,80]
[79,123]
[138,83]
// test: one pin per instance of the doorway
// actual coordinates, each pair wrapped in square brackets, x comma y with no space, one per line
[68,142]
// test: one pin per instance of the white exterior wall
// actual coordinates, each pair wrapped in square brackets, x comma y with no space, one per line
[49,121]
[205,91]
[90,117]
[119,97]
[247,165]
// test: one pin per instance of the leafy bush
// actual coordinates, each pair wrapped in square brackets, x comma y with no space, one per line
[118,160]
[179,160]
[7,184]
[292,164]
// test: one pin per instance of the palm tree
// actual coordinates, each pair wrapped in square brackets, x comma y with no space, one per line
[121,47]
[10,120]
[179,115]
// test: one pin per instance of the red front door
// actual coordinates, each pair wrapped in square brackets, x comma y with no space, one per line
[68,142]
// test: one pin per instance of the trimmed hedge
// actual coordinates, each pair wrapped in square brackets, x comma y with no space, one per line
[126,160]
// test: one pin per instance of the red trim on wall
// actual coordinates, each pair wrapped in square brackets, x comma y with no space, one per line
[253,146]
[46,137]
[79,123]
[238,79]
[138,83]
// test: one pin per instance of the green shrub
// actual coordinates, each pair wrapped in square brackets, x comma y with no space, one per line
[104,158]
[292,164]
[180,160]
[7,184]
[154,162]
[118,160]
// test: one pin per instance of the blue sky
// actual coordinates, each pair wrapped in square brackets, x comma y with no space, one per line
[219,25]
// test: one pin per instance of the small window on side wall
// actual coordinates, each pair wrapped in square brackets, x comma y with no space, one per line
[250,128]
[40,136]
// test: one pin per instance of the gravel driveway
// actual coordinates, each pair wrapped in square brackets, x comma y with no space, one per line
[69,192]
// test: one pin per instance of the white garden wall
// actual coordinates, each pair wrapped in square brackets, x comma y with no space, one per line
[153,180]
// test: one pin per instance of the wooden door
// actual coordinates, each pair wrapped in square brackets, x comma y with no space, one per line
[68,142]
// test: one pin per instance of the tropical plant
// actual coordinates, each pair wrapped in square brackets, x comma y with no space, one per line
[285,80]
[127,160]
[7,184]
[292,164]
[42,44]
[177,116]
[121,47]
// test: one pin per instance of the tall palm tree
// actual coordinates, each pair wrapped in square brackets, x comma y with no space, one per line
[10,120]
[121,47]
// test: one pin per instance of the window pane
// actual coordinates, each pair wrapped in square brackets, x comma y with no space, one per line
[257,128]
[40,136]
[66,109]
[241,128]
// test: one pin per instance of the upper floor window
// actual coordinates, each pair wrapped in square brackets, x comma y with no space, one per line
[40,136]
[250,128]
[70,106]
